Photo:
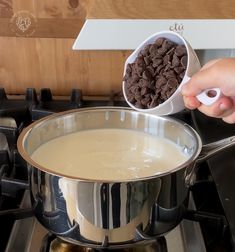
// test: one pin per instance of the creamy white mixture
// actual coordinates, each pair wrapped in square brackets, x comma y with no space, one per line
[109,154]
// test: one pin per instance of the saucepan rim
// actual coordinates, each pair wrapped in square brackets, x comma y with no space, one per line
[26,131]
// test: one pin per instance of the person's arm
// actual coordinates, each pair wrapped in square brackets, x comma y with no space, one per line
[218,73]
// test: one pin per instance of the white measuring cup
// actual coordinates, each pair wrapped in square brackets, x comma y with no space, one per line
[175,102]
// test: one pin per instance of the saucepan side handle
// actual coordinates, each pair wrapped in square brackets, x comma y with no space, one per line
[208,151]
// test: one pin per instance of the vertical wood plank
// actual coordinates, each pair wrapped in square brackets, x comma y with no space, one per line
[160,9]
[42,62]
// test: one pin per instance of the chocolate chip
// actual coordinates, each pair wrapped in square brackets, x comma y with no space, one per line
[171,51]
[147,60]
[157,56]
[159,41]
[131,98]
[145,51]
[166,59]
[133,89]
[140,62]
[144,91]
[167,44]
[147,75]
[154,102]
[169,74]
[145,83]
[157,62]
[159,68]
[167,68]
[145,101]
[172,82]
[139,105]
[155,74]
[162,51]
[175,61]
[180,50]
[153,49]
[138,96]
[128,69]
[150,70]
[179,70]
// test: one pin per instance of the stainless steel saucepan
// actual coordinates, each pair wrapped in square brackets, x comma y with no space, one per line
[112,213]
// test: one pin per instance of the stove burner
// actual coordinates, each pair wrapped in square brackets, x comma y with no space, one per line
[53,244]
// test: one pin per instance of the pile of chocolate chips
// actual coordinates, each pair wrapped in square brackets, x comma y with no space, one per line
[155,74]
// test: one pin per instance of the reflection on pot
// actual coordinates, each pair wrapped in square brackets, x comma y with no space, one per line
[108,211]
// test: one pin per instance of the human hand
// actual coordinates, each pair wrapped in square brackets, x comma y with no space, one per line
[219,73]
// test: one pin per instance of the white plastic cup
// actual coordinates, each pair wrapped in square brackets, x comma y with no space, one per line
[175,102]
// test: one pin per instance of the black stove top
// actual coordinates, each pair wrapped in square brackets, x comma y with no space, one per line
[213,192]
[221,167]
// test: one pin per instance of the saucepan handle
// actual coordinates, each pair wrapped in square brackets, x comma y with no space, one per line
[208,151]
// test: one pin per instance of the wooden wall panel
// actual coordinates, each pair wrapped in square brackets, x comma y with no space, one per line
[48,19]
[161,9]
[46,62]
[48,8]
[41,56]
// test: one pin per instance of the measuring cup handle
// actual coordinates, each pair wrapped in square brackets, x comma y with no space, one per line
[204,97]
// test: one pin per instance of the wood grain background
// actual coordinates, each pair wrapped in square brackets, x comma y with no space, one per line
[42,55]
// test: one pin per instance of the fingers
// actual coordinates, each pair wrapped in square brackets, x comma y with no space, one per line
[218,73]
[191,102]
[230,119]
[199,82]
[220,109]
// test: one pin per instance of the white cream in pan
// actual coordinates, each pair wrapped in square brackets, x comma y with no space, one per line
[109,154]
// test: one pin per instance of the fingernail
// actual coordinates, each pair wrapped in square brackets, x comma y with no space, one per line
[222,106]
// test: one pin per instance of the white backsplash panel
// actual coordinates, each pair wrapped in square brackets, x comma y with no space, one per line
[127,34]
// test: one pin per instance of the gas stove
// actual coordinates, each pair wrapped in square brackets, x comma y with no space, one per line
[208,225]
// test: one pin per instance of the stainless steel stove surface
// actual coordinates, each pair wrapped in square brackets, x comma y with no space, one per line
[209,222]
